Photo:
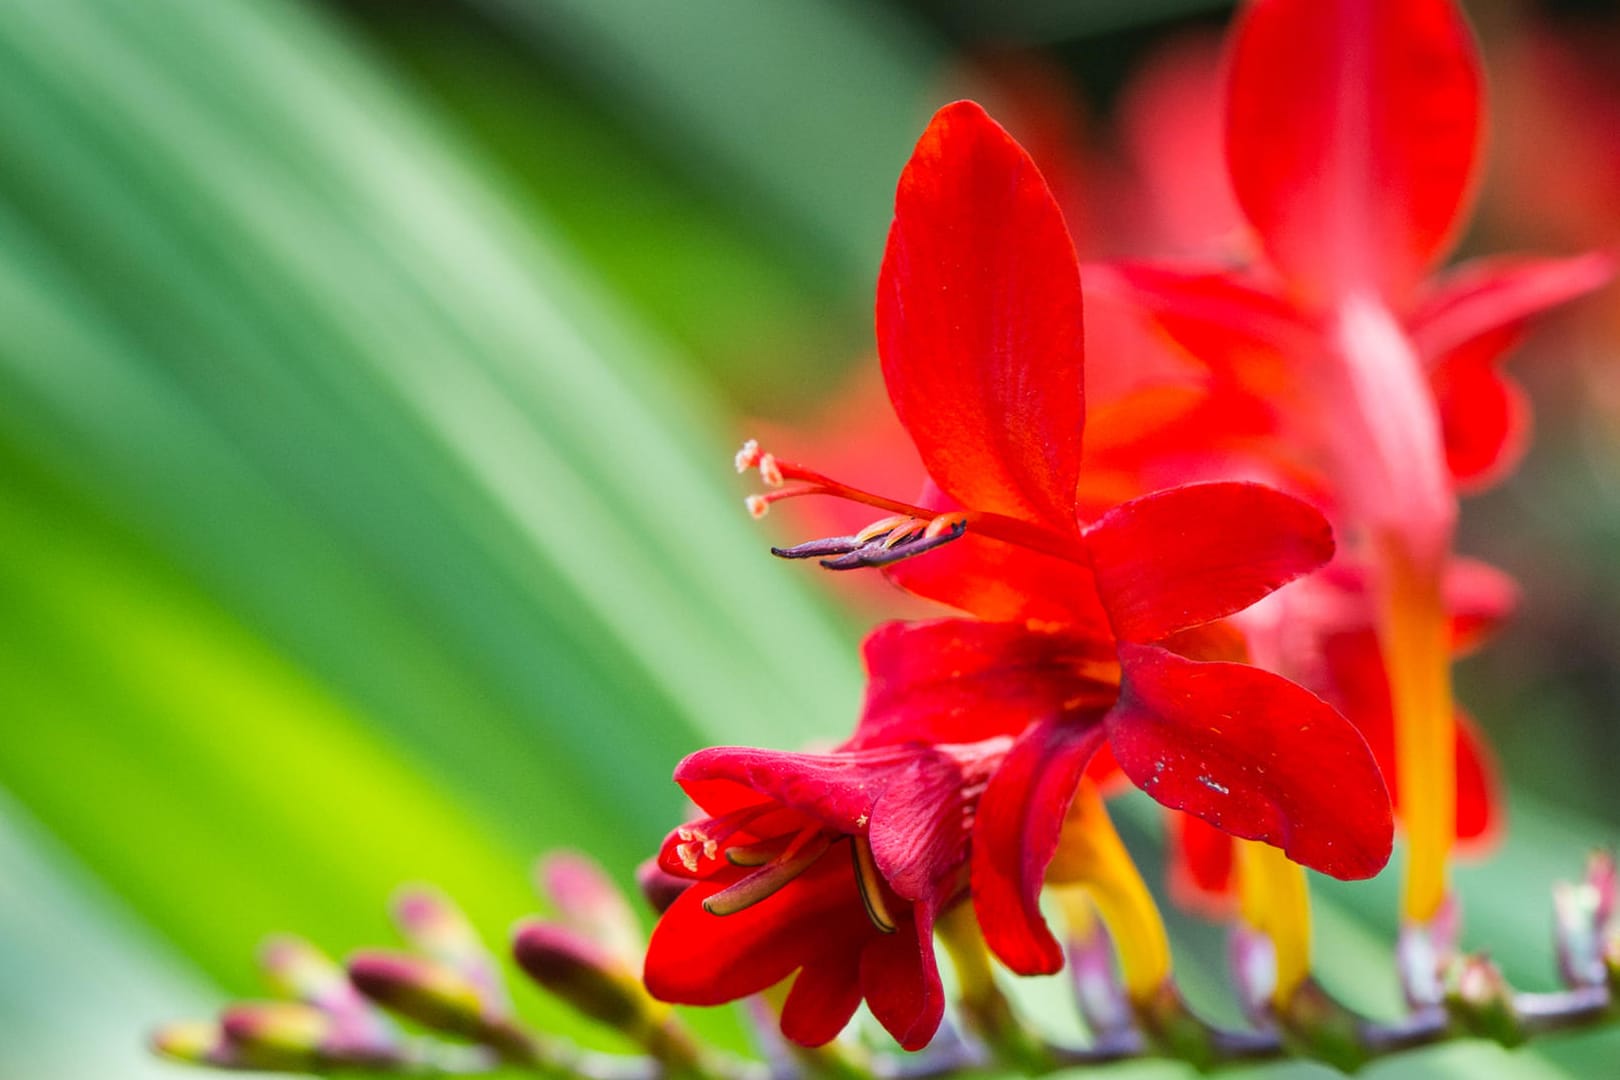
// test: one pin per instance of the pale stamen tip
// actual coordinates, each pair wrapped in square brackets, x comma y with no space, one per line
[770,474]
[758,506]
[748,457]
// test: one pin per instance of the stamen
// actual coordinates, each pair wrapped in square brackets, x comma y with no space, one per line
[880,553]
[809,846]
[758,506]
[871,885]
[748,456]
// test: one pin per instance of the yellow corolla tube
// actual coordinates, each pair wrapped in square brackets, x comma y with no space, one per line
[1276,902]
[1414,637]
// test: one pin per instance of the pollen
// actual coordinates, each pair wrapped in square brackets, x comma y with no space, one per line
[748,457]
[758,506]
[770,473]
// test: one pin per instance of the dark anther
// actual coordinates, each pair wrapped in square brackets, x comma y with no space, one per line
[851,553]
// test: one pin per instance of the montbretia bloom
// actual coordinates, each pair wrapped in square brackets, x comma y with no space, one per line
[979,334]
[832,865]
[1353,129]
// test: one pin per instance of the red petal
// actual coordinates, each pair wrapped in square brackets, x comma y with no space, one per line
[900,978]
[962,680]
[825,995]
[1352,132]
[1478,803]
[1254,755]
[1480,599]
[1490,295]
[1192,554]
[979,322]
[1484,415]
[838,790]
[1222,320]
[1201,867]
[695,958]
[997,581]
[1020,818]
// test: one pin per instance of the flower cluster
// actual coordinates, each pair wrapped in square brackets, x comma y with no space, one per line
[1118,611]
[1203,546]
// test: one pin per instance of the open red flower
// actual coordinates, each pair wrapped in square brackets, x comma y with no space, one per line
[1356,176]
[834,866]
[979,332]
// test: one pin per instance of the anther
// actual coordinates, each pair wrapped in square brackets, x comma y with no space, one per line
[770,878]
[748,457]
[758,506]
[871,885]
[770,473]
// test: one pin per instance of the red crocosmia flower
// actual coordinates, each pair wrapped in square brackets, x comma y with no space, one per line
[832,865]
[1356,176]
[979,334]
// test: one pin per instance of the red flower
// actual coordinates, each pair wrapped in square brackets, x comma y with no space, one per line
[979,333]
[1352,133]
[832,865]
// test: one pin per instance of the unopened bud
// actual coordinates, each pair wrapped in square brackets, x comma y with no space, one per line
[275,1035]
[426,991]
[593,981]
[194,1042]
[588,901]
[438,929]
[660,887]
[1253,961]
[1423,952]
[1480,1000]
[580,972]
[1578,933]
[1318,1026]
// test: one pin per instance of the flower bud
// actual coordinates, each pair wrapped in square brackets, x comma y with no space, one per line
[1480,1000]
[659,887]
[432,923]
[587,901]
[588,977]
[194,1042]
[426,991]
[275,1035]
[1253,962]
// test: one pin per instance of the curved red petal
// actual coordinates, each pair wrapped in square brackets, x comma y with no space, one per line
[1254,755]
[1487,296]
[695,958]
[824,997]
[1202,867]
[1353,128]
[963,680]
[1484,414]
[1192,554]
[1479,805]
[1016,834]
[979,322]
[1480,599]
[836,789]
[900,978]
